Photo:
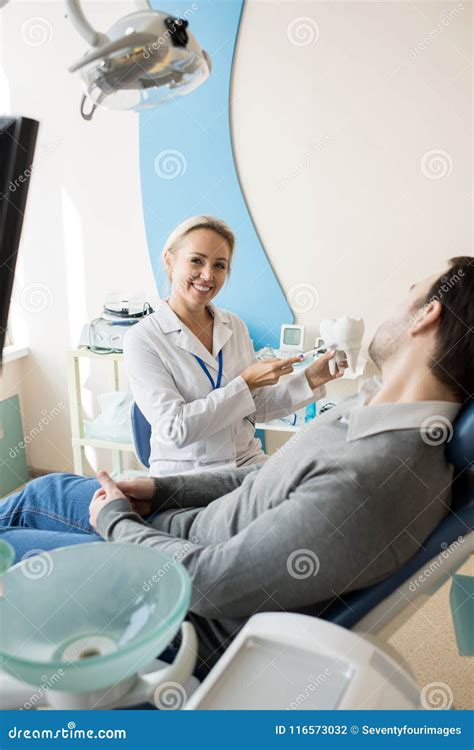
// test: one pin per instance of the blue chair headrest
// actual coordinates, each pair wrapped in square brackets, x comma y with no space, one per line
[460,448]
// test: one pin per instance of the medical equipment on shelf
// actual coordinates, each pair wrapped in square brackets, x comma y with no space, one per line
[144,59]
[82,625]
[113,422]
[344,336]
[325,407]
[267,353]
[281,660]
[291,338]
[105,334]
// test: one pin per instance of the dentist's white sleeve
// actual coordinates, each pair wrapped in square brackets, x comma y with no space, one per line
[293,393]
[177,422]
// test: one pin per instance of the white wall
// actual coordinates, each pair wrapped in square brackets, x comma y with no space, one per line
[330,135]
[84,232]
[330,138]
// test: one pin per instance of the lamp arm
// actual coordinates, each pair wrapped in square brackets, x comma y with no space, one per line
[137,39]
[82,25]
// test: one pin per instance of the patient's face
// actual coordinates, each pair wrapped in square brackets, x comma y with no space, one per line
[392,334]
[199,267]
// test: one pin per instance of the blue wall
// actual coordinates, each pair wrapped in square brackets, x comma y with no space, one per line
[187,168]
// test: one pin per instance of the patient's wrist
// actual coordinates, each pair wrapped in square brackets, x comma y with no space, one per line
[156,491]
[164,493]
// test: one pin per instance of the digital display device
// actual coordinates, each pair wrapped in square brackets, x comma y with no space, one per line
[292,338]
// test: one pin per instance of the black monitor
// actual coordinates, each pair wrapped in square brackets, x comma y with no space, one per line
[17,147]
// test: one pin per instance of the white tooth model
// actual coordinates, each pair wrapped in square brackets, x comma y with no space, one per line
[344,336]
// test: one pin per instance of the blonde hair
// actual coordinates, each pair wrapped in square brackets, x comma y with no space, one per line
[199,222]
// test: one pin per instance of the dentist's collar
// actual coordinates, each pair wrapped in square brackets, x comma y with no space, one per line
[170,322]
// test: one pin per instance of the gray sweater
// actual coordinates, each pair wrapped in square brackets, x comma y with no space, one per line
[348,500]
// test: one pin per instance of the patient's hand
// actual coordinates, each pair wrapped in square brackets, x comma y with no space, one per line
[139,491]
[107,492]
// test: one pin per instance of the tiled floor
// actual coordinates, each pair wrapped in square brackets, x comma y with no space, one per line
[427,642]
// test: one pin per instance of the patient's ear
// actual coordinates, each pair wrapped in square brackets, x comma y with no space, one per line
[425,317]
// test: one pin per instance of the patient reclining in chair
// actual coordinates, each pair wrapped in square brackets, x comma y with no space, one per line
[341,506]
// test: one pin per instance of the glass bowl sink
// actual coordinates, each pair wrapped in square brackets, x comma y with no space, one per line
[91,615]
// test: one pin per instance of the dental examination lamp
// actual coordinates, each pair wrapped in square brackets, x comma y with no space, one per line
[146,58]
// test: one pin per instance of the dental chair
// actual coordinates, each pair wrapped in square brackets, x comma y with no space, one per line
[385,605]
[141,431]
[381,609]
[356,667]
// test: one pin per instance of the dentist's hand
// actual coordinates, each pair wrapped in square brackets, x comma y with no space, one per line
[268,373]
[107,492]
[318,373]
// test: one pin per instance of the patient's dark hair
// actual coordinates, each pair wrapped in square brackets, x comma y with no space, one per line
[453,359]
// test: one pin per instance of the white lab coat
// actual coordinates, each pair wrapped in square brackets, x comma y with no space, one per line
[195,428]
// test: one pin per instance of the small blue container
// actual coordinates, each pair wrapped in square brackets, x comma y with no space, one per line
[310,412]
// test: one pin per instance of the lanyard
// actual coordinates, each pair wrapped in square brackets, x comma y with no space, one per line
[217,384]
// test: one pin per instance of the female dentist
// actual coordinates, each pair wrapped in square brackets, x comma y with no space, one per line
[192,368]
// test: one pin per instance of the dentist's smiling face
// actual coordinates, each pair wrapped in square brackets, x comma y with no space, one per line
[199,267]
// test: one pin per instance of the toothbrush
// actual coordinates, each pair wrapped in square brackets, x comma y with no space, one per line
[309,353]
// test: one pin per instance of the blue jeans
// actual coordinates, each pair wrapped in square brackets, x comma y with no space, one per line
[53,511]
[50,512]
